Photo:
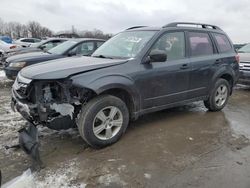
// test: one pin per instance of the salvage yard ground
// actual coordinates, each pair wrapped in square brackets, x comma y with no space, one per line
[180,147]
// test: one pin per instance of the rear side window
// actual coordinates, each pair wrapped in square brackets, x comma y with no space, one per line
[200,44]
[223,43]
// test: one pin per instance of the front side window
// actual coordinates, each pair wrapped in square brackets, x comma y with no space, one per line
[86,48]
[173,44]
[125,45]
[200,44]
[222,42]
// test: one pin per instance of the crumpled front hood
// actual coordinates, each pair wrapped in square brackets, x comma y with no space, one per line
[244,57]
[65,67]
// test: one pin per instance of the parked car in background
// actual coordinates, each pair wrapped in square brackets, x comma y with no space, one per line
[6,39]
[244,54]
[7,48]
[140,70]
[26,42]
[45,44]
[72,47]
[36,47]
[238,46]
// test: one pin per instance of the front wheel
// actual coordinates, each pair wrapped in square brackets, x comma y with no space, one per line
[103,120]
[219,95]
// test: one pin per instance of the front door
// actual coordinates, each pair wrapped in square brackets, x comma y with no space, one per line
[163,83]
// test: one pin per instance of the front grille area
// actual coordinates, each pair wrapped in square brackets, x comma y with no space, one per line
[245,66]
[22,86]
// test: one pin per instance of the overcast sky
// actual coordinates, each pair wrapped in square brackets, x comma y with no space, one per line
[113,16]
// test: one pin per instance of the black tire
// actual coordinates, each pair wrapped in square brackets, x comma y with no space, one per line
[88,115]
[210,103]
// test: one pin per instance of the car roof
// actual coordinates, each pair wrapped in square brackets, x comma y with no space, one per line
[175,26]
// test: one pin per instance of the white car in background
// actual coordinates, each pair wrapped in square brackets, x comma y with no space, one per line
[6,48]
[26,42]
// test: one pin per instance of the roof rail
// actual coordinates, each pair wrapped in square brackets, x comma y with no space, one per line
[205,26]
[135,27]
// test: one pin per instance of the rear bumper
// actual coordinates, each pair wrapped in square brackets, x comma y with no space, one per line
[244,77]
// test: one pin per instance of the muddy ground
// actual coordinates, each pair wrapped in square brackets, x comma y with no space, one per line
[180,147]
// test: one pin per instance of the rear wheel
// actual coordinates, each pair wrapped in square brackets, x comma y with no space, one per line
[103,120]
[219,95]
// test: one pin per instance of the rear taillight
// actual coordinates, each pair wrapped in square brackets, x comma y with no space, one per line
[12,47]
[237,58]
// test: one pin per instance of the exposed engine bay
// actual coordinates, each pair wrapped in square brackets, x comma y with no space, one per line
[54,104]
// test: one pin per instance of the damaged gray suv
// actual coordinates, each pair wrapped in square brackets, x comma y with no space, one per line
[140,70]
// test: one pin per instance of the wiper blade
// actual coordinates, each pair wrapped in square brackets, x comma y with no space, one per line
[102,56]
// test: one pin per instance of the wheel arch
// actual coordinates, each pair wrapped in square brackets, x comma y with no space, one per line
[119,86]
[227,75]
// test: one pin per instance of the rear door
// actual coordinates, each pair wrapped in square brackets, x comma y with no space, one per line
[204,60]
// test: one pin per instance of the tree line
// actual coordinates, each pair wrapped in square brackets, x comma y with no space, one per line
[34,29]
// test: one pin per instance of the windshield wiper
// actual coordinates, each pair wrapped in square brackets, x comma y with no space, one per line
[102,56]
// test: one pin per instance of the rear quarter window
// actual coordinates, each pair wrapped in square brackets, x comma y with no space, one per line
[223,43]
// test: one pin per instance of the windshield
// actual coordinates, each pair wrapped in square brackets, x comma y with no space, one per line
[245,49]
[62,48]
[124,45]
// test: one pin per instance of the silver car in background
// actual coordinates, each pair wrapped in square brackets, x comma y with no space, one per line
[244,54]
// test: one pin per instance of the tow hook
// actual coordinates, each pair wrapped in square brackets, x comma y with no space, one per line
[28,141]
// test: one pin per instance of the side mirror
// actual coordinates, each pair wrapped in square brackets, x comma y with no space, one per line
[72,53]
[158,56]
[42,47]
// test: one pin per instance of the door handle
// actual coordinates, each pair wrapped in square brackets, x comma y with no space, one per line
[184,66]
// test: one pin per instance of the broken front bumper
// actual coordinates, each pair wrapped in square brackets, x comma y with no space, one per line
[54,116]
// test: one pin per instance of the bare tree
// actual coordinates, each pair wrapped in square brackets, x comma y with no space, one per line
[34,29]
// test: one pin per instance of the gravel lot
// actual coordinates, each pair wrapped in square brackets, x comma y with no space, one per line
[180,147]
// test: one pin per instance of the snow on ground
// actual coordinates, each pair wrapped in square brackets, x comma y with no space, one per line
[2,74]
[62,177]
[10,122]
